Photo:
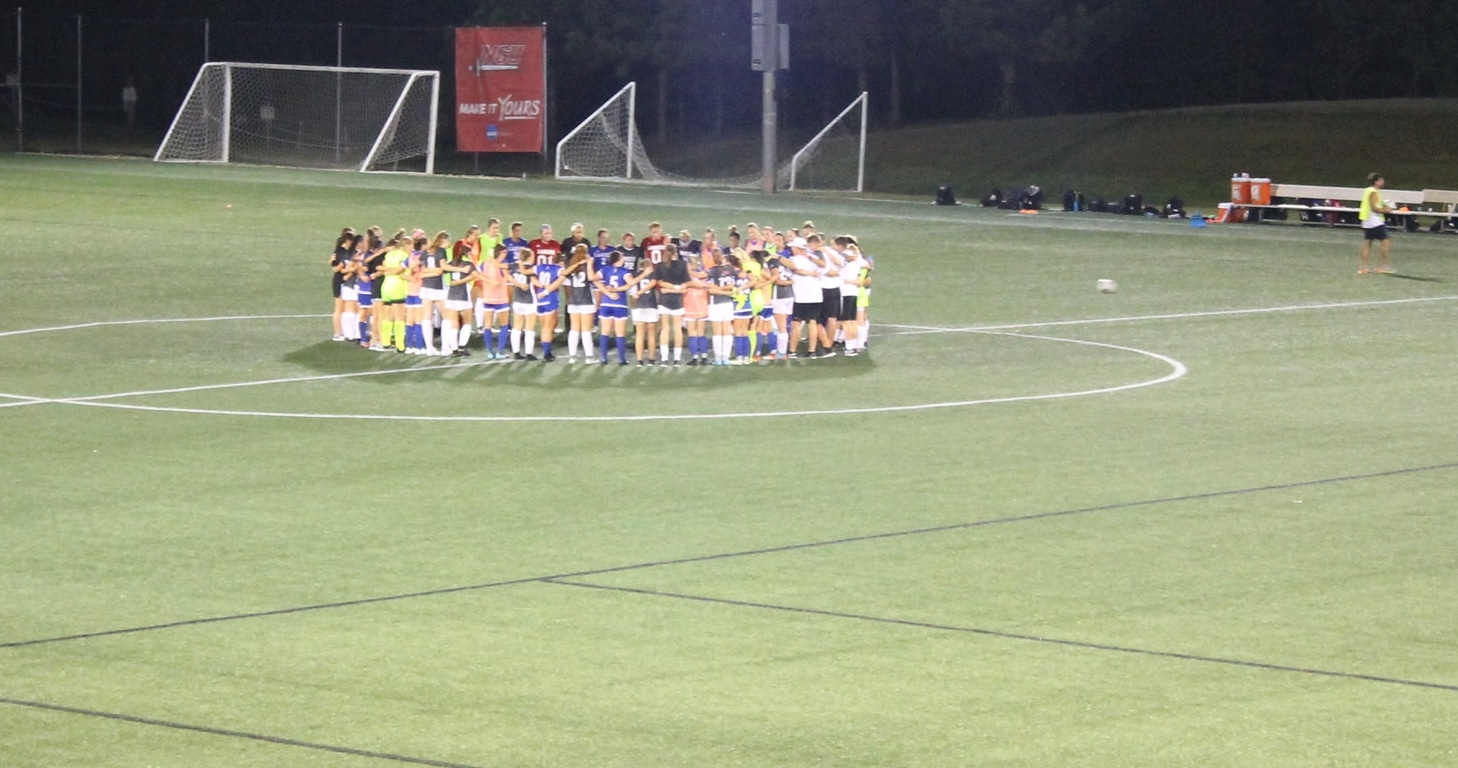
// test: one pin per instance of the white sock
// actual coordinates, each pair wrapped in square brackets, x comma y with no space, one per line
[515,341]
[480,314]
[663,352]
[349,324]
[587,348]
[782,342]
[677,354]
[721,347]
[447,336]
[864,332]
[465,336]
[572,337]
[531,342]
[429,331]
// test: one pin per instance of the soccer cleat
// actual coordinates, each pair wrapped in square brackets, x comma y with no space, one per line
[624,362]
[591,360]
[338,337]
[1362,270]
[571,360]
[675,363]
[549,358]
[529,357]
[518,356]
[1383,270]
[693,361]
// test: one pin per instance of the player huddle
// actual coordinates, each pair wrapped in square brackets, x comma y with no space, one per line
[752,298]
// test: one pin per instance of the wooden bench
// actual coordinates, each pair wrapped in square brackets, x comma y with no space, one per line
[1446,198]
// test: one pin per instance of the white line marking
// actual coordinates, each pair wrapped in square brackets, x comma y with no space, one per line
[104,323]
[1174,316]
[1177,371]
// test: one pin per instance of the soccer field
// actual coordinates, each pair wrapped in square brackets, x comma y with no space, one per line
[1206,520]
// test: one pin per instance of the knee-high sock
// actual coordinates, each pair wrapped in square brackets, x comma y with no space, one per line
[572,338]
[463,336]
[604,342]
[448,336]
[398,329]
[529,342]
[515,340]
[427,335]
[622,342]
[347,325]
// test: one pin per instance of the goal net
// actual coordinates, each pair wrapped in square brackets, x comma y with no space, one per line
[836,158]
[318,117]
[607,147]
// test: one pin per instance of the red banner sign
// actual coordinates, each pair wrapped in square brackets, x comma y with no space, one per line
[501,89]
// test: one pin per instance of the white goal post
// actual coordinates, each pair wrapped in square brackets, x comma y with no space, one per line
[828,160]
[319,117]
[607,147]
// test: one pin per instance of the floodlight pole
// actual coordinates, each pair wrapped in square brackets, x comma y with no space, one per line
[764,17]
[19,82]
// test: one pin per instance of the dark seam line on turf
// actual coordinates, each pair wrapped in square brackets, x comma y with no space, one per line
[1007,635]
[729,555]
[277,740]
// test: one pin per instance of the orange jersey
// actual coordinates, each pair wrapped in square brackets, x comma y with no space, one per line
[696,303]
[493,284]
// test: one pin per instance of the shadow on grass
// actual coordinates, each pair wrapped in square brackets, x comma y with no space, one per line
[338,358]
[1418,278]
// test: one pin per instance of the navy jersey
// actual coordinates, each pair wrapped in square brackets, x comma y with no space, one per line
[579,287]
[460,292]
[433,260]
[521,286]
[721,276]
[632,257]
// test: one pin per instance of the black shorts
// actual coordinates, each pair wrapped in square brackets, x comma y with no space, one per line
[806,313]
[848,308]
[1375,233]
[830,307]
[337,282]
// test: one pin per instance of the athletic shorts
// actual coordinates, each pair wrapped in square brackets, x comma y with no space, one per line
[491,307]
[612,313]
[783,306]
[392,302]
[830,306]
[671,311]
[645,315]
[348,293]
[1375,233]
[848,307]
[548,307]
[721,312]
[457,305]
[806,313]
[432,294]
[743,313]
[337,285]
[581,309]
[414,301]
[366,300]
[524,308]
[765,312]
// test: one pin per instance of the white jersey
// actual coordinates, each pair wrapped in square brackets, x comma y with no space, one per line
[806,287]
[830,273]
[849,274]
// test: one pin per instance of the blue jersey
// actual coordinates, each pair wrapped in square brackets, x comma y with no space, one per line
[514,248]
[548,301]
[615,278]
[741,293]
[601,255]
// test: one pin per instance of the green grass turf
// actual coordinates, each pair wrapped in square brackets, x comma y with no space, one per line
[1249,565]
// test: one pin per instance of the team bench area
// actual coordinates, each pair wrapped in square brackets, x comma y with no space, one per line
[1259,200]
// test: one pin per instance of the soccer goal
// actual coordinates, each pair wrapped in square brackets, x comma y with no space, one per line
[607,147]
[318,117]
[836,158]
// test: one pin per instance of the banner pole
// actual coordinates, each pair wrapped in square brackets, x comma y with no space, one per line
[546,151]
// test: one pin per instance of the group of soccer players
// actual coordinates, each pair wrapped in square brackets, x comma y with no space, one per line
[753,298]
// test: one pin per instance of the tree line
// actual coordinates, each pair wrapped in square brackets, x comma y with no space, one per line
[957,59]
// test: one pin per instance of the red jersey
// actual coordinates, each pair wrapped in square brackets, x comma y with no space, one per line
[654,246]
[547,251]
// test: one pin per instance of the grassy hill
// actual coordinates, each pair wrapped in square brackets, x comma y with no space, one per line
[1186,152]
[1189,153]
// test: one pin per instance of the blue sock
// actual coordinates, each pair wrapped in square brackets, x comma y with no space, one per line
[364,333]
[503,339]
[546,348]
[741,346]
[605,343]
[622,349]
[488,339]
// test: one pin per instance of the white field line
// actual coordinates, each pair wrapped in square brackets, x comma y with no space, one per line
[1177,370]
[105,323]
[915,329]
